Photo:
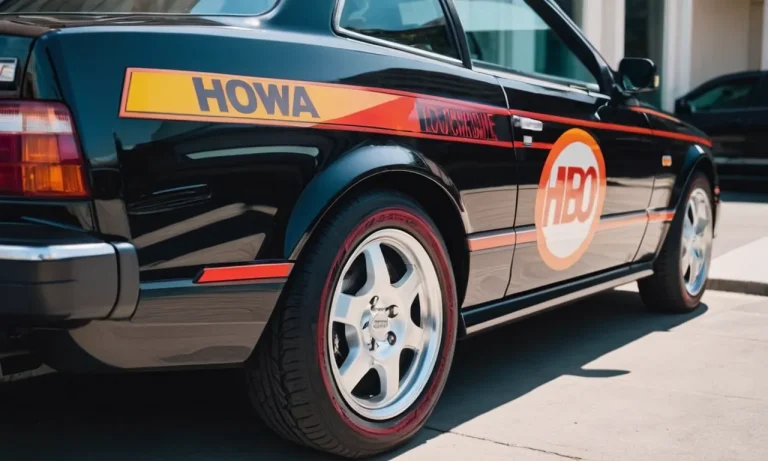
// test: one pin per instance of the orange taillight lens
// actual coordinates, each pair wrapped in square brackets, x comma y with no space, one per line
[39,156]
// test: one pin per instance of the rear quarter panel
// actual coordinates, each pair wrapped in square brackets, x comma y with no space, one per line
[183,210]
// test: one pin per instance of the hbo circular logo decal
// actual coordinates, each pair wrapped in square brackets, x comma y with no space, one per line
[570,199]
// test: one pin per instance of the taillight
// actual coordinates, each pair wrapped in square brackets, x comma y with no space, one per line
[39,156]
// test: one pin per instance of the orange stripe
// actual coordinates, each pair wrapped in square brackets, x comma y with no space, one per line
[378,118]
[248,272]
[535,145]
[661,216]
[526,236]
[611,126]
[656,113]
[513,237]
[492,241]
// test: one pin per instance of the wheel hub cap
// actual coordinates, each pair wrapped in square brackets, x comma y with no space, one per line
[380,327]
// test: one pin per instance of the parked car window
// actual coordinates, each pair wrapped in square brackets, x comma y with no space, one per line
[416,23]
[201,7]
[509,34]
[734,94]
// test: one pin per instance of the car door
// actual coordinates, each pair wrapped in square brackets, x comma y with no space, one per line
[585,163]
[732,111]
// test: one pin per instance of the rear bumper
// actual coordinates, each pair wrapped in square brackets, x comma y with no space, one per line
[50,274]
[79,305]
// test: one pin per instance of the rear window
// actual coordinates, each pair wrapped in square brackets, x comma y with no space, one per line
[195,7]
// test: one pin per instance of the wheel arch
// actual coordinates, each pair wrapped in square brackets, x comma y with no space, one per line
[389,167]
[698,159]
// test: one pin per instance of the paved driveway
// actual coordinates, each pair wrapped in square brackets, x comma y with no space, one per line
[599,380]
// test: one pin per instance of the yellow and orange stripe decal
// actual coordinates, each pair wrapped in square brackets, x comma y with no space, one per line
[219,98]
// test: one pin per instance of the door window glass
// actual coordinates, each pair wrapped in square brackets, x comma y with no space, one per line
[510,34]
[417,23]
[734,94]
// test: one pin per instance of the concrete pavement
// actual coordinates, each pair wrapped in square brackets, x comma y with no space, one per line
[601,379]
[741,247]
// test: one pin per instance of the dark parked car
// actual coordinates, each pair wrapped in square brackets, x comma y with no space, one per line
[733,111]
[326,194]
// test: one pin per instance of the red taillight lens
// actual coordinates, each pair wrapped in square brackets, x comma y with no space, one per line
[39,156]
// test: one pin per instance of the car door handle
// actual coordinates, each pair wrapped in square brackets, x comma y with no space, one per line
[527,124]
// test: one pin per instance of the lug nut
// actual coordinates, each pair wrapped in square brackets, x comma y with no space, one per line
[392,311]
[373,345]
[374,301]
[391,338]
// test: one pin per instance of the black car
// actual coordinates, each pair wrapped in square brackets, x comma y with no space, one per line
[733,110]
[326,194]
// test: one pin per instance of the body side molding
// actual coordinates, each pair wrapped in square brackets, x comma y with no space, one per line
[501,312]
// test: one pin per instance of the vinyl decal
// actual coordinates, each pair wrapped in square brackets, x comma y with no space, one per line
[570,199]
[217,98]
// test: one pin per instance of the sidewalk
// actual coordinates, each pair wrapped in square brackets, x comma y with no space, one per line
[740,261]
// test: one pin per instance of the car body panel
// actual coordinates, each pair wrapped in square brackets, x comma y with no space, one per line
[217,155]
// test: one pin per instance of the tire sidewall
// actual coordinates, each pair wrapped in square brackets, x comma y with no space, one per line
[353,226]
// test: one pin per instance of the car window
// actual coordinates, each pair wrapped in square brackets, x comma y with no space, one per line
[733,94]
[201,7]
[420,24]
[509,34]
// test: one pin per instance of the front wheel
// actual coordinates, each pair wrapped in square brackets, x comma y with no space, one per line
[357,356]
[682,267]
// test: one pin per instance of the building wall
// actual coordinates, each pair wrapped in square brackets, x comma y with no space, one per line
[755,34]
[691,41]
[721,38]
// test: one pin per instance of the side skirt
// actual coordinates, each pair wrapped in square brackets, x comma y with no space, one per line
[501,312]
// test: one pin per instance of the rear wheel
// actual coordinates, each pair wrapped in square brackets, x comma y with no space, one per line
[357,356]
[682,267]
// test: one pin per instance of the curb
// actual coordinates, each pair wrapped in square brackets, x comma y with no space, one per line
[738,286]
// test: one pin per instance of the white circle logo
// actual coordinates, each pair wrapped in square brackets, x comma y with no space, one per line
[570,199]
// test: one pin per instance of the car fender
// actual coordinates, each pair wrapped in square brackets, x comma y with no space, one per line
[697,158]
[351,169]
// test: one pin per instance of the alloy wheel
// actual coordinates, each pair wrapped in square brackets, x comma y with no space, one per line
[385,325]
[696,246]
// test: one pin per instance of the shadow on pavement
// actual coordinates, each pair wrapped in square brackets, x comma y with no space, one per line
[500,366]
[201,416]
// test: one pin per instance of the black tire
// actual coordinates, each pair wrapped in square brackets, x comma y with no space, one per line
[289,376]
[665,290]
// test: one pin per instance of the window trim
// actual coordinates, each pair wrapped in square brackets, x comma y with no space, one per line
[542,82]
[344,32]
